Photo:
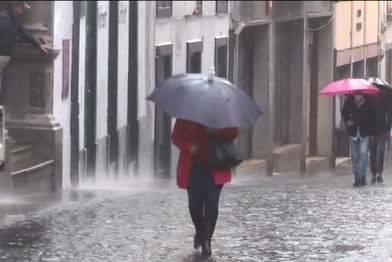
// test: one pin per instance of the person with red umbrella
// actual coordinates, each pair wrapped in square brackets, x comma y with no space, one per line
[357,113]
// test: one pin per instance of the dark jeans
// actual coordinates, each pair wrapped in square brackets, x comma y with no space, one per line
[202,191]
[203,197]
[377,152]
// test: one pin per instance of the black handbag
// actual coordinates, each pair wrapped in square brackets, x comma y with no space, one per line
[223,153]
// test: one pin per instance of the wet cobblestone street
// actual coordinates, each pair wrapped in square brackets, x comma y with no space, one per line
[275,219]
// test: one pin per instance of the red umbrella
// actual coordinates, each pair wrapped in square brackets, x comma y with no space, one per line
[349,86]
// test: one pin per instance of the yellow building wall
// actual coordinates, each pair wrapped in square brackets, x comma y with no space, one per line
[362,17]
[342,25]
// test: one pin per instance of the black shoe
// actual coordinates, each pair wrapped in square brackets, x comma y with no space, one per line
[206,247]
[374,179]
[356,184]
[197,219]
[197,241]
[209,222]
[363,182]
[379,179]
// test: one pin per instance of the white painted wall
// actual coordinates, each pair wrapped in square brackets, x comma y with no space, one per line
[63,16]
[82,79]
[123,56]
[180,29]
[102,68]
[146,76]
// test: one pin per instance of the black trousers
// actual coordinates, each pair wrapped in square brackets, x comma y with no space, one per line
[377,153]
[203,199]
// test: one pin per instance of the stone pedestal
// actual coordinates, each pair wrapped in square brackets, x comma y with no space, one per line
[28,100]
[28,88]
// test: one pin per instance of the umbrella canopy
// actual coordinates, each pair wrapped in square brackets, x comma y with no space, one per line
[349,86]
[385,94]
[380,84]
[209,100]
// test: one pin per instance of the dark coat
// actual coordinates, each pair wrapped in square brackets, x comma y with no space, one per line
[362,116]
[382,112]
[10,30]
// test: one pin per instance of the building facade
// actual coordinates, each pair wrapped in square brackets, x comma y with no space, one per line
[358,51]
[90,92]
[284,58]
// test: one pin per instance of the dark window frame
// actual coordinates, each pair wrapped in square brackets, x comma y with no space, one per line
[221,42]
[164,9]
[162,124]
[193,47]
[199,7]
[222,7]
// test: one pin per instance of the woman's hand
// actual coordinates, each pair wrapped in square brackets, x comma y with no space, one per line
[350,123]
[193,149]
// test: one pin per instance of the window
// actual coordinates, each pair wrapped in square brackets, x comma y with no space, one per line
[164,8]
[389,11]
[359,26]
[221,57]
[199,8]
[222,7]
[162,123]
[193,58]
[268,7]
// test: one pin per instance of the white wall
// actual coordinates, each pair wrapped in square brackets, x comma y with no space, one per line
[82,78]
[123,55]
[102,68]
[180,29]
[146,76]
[63,17]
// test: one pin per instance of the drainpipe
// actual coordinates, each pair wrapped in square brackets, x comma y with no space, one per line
[334,111]
[366,73]
[271,99]
[304,94]
[150,67]
[351,40]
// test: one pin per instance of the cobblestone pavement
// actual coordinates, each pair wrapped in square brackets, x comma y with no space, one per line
[284,218]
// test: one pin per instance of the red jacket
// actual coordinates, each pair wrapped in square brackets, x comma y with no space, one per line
[187,133]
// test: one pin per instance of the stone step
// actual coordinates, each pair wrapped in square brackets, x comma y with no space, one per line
[342,161]
[287,158]
[21,153]
[315,164]
[252,167]
[32,176]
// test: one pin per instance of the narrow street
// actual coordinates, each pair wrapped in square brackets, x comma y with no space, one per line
[284,218]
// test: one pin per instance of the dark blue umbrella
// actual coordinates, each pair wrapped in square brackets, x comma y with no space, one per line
[209,100]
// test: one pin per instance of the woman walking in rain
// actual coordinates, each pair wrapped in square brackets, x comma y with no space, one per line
[203,183]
